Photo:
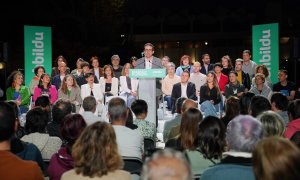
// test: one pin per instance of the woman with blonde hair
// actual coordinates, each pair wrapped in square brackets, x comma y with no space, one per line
[272,123]
[276,158]
[128,86]
[260,88]
[96,155]
[69,90]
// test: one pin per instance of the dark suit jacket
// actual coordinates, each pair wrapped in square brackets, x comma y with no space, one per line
[81,80]
[56,81]
[210,68]
[176,93]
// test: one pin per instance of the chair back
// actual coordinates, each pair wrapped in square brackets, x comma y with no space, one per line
[133,165]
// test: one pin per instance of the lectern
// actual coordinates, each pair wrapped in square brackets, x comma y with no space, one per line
[147,88]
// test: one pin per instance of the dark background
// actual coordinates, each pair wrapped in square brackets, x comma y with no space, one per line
[176,27]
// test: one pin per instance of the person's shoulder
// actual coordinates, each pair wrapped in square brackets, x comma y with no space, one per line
[69,174]
[119,174]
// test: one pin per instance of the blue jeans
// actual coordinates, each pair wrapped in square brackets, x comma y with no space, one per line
[169,102]
[209,109]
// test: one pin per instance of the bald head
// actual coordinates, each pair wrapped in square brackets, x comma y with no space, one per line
[166,165]
[188,103]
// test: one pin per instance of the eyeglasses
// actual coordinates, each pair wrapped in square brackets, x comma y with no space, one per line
[148,50]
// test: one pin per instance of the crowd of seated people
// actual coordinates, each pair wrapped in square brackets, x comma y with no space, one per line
[60,121]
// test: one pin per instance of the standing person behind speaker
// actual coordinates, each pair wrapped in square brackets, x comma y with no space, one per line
[55,70]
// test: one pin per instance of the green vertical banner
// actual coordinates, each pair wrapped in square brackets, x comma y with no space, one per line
[38,50]
[265,42]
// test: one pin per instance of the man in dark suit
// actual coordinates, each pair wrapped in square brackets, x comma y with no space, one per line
[206,67]
[183,89]
[57,79]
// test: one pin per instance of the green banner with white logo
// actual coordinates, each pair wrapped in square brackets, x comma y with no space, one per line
[38,50]
[147,73]
[265,42]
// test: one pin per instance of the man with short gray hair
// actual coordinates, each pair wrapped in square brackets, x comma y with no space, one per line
[89,106]
[130,142]
[117,68]
[166,164]
[243,133]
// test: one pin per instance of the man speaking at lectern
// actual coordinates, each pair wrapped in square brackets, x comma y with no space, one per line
[150,62]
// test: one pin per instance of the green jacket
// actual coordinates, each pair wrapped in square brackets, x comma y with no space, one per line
[24,92]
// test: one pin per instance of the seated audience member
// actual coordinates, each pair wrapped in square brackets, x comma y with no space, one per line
[91,88]
[227,65]
[210,144]
[57,79]
[129,121]
[272,123]
[243,133]
[242,76]
[24,150]
[175,130]
[77,72]
[222,79]
[279,104]
[245,101]
[232,109]
[164,61]
[166,164]
[260,88]
[11,166]
[263,70]
[175,121]
[128,86]
[36,122]
[187,132]
[20,131]
[62,161]
[109,83]
[38,71]
[140,109]
[59,110]
[296,139]
[133,60]
[294,114]
[206,66]
[45,88]
[96,155]
[284,86]
[197,77]
[81,79]
[168,83]
[43,102]
[55,69]
[130,142]
[210,95]
[18,92]
[183,89]
[97,70]
[89,106]
[116,67]
[258,105]
[69,90]
[185,65]
[276,158]
[234,88]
